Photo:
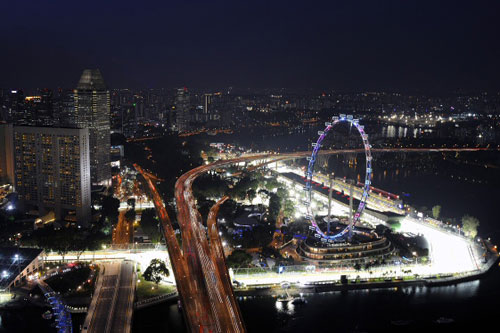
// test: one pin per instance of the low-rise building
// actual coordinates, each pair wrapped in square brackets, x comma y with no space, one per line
[18,265]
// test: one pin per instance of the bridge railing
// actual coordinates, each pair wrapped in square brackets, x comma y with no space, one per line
[64,324]
[76,309]
[155,300]
[320,269]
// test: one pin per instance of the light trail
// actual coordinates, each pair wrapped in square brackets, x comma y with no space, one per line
[197,268]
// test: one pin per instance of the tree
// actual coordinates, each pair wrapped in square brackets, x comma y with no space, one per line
[436,211]
[274,206]
[238,258]
[271,252]
[264,194]
[209,186]
[155,271]
[131,202]
[149,224]
[78,243]
[271,184]
[130,215]
[95,241]
[289,208]
[63,241]
[110,207]
[251,194]
[470,225]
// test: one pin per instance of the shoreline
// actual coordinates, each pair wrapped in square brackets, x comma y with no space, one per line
[323,287]
[327,287]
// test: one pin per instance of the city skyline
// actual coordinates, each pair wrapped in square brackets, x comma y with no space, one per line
[411,46]
[249,166]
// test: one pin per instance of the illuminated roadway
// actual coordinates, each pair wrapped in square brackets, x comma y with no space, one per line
[203,284]
[113,302]
[123,232]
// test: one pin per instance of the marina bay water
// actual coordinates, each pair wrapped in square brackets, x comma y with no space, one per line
[470,305]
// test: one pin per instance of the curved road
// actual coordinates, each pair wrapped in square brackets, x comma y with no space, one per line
[203,283]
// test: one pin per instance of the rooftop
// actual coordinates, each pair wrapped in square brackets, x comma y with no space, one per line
[91,79]
[13,260]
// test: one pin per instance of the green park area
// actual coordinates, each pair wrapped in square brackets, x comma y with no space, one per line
[146,289]
[78,281]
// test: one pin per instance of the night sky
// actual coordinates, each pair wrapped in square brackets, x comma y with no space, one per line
[400,45]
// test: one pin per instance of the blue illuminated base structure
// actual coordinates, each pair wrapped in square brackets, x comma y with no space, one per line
[63,317]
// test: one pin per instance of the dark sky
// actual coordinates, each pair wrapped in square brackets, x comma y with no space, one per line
[350,45]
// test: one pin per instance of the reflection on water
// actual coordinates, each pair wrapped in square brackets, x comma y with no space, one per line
[467,305]
[392,131]
[285,307]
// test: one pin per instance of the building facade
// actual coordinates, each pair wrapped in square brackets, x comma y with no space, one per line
[183,108]
[6,155]
[88,106]
[52,170]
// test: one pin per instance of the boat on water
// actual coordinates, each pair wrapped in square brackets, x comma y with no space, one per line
[284,299]
[47,315]
[444,320]
[299,301]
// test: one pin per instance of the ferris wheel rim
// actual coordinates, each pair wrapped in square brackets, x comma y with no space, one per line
[310,173]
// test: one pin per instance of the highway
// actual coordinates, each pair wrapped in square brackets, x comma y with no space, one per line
[97,316]
[204,287]
[189,295]
[124,230]
[112,304]
[124,303]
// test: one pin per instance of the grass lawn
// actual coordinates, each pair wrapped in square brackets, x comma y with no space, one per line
[146,289]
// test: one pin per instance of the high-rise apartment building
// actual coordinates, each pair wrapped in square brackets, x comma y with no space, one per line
[88,106]
[183,108]
[52,170]
[6,155]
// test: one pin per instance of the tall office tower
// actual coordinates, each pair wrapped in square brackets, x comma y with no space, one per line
[45,109]
[91,109]
[207,101]
[52,170]
[4,116]
[17,112]
[6,155]
[182,107]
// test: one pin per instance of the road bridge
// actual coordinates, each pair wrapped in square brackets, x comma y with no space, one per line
[112,304]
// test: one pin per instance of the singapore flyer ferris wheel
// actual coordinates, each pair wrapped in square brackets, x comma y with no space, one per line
[310,173]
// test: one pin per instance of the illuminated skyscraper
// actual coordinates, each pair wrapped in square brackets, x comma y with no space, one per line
[182,108]
[89,107]
[52,170]
[207,101]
